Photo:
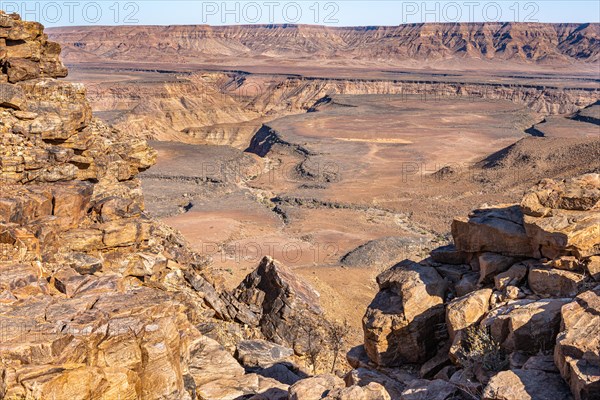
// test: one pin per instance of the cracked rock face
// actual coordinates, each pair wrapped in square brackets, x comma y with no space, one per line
[521,290]
[26,53]
[400,323]
[275,299]
[96,299]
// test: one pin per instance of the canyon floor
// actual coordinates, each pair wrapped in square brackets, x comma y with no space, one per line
[343,167]
[342,190]
[449,215]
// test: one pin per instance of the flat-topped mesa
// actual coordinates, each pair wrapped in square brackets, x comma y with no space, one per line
[520,42]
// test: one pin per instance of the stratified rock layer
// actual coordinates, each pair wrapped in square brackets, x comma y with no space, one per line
[97,301]
[276,300]
[401,321]
[521,284]
[577,351]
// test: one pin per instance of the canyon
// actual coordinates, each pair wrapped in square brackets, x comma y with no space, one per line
[244,223]
[264,152]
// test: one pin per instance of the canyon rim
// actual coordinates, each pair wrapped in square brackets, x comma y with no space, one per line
[304,212]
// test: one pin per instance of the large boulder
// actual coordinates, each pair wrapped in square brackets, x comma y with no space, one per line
[512,277]
[577,351]
[365,376]
[210,361]
[249,386]
[372,391]
[315,388]
[562,217]
[400,324]
[260,353]
[579,194]
[592,267]
[526,385]
[279,299]
[467,310]
[554,282]
[491,264]
[526,325]
[497,230]
[555,218]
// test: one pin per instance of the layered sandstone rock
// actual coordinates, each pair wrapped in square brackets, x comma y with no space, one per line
[577,351]
[526,325]
[401,321]
[522,276]
[276,300]
[317,387]
[467,310]
[498,230]
[526,384]
[522,42]
[96,299]
[25,52]
[562,218]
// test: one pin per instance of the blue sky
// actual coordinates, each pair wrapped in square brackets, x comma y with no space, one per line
[331,13]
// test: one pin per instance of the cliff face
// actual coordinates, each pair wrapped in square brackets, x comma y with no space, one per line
[520,42]
[26,53]
[306,63]
[96,299]
[219,108]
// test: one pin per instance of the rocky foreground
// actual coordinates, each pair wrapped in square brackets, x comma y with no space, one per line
[99,301]
[510,311]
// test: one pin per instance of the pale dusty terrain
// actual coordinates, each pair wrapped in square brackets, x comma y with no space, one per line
[308,161]
[347,193]
[338,179]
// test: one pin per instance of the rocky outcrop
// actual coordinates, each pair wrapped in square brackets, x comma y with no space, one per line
[517,291]
[562,218]
[400,324]
[276,300]
[25,51]
[497,230]
[97,299]
[526,384]
[577,351]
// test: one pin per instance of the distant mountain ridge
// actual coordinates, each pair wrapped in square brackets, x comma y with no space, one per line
[540,43]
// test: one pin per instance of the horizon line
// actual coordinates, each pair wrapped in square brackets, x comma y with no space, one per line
[284,24]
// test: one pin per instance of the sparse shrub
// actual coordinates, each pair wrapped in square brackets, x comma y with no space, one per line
[337,334]
[478,349]
[309,340]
